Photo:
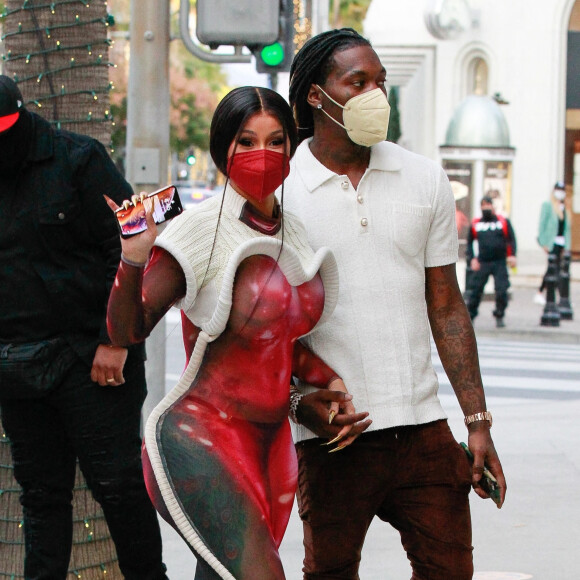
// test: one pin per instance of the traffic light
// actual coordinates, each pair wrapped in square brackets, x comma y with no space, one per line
[240,23]
[277,56]
[190,158]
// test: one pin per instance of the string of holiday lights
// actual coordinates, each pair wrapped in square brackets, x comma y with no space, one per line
[57,53]
[56,71]
[58,47]
[27,5]
[50,29]
[91,92]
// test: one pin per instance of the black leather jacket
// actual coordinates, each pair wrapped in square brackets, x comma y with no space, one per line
[59,243]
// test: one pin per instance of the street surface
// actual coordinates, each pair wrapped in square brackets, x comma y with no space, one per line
[533,390]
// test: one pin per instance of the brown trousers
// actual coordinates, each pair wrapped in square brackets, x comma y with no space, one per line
[416,478]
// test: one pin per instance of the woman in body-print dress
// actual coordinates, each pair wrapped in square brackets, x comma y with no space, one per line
[219,462]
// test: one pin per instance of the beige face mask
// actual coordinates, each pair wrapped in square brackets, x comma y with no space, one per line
[365,117]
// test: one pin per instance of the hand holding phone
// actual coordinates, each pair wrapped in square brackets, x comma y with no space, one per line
[487,482]
[131,215]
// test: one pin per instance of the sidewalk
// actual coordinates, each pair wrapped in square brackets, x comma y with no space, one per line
[523,316]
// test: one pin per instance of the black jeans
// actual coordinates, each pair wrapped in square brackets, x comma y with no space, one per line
[100,426]
[478,280]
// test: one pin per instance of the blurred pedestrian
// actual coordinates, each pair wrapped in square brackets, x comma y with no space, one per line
[65,391]
[494,252]
[554,231]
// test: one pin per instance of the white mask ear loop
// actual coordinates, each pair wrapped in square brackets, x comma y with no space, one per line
[329,97]
[319,106]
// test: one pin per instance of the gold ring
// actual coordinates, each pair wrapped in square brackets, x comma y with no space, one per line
[110,380]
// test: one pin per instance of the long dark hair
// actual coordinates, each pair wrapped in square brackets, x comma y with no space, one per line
[312,64]
[233,112]
[229,120]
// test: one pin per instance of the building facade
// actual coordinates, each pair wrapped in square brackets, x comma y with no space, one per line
[524,56]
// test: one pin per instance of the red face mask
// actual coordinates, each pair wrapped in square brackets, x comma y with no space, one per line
[259,173]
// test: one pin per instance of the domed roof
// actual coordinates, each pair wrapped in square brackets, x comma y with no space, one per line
[478,122]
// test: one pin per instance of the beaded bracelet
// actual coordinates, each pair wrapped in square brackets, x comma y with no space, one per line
[295,397]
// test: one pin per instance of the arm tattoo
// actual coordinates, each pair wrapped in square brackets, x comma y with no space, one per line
[454,337]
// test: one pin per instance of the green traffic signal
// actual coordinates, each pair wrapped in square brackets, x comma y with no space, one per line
[190,159]
[273,54]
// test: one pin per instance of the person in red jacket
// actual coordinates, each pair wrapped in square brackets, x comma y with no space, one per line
[496,247]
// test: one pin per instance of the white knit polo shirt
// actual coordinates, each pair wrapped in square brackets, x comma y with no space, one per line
[399,221]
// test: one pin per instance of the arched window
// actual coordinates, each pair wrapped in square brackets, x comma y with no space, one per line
[474,71]
[477,77]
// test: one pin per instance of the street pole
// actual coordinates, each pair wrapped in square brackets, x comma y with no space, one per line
[273,81]
[148,139]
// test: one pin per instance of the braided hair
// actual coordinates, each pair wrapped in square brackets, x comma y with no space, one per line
[312,64]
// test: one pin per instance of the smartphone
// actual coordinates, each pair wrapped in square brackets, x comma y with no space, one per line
[166,205]
[487,482]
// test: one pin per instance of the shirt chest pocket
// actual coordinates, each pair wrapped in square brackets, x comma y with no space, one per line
[59,223]
[58,213]
[410,224]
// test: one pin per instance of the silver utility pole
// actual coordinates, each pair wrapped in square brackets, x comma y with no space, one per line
[148,139]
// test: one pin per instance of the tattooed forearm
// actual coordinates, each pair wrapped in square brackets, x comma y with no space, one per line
[454,337]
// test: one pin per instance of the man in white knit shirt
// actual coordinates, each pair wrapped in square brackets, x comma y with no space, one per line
[389,217]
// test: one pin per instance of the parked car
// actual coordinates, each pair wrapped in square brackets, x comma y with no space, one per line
[194,192]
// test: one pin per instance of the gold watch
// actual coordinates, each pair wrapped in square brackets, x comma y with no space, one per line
[484,416]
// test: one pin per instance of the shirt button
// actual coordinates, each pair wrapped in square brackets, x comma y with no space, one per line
[61,216]
[364,222]
[344,184]
[359,198]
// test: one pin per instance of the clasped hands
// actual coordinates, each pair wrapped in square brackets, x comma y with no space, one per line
[330,413]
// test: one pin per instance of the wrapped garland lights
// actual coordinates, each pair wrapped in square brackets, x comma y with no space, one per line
[58,53]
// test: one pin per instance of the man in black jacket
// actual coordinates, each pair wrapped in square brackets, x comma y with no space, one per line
[59,251]
[496,243]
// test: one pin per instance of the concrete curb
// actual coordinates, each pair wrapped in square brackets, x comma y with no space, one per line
[539,335]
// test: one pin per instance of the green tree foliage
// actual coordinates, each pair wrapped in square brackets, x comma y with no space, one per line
[348,13]
[191,66]
[195,88]
[194,128]
[394,132]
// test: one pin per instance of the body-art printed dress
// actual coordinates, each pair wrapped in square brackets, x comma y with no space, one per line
[219,461]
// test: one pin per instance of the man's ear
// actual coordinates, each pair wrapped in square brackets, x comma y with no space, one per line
[314,97]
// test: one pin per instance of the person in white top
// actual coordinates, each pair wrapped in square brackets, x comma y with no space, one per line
[388,215]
